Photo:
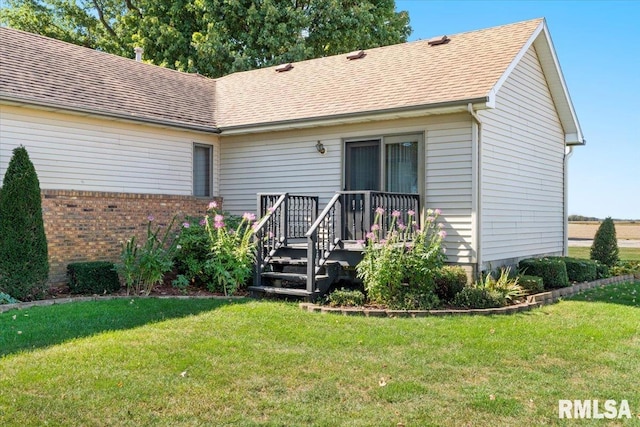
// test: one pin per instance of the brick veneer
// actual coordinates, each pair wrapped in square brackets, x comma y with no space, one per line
[90,225]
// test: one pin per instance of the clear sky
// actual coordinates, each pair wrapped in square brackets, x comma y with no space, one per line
[598,47]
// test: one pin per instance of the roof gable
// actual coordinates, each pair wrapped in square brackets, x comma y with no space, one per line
[51,73]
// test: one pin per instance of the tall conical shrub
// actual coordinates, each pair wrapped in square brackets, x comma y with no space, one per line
[24,265]
[605,244]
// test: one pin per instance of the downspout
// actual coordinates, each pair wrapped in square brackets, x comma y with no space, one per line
[477,173]
[567,154]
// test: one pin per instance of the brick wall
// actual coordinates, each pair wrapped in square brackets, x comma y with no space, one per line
[90,226]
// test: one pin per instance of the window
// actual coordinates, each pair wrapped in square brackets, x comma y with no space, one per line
[202,170]
[388,164]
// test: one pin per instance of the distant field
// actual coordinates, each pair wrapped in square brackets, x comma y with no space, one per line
[626,254]
[587,230]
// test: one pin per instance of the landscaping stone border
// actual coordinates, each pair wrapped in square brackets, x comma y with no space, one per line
[66,300]
[533,301]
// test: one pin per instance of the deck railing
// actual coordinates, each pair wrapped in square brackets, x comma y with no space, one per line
[283,217]
[349,215]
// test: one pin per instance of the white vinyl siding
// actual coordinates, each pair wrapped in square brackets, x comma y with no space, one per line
[74,152]
[449,183]
[251,165]
[522,169]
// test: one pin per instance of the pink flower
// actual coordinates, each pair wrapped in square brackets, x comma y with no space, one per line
[186,224]
[370,236]
[395,214]
[375,227]
[360,242]
[271,210]
[437,212]
[442,234]
[203,221]
[431,219]
[440,225]
[379,211]
[411,212]
[213,205]
[218,218]
[248,216]
[401,226]
[218,224]
[150,218]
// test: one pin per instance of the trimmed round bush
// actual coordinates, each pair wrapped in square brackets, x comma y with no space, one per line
[552,270]
[96,277]
[580,270]
[471,297]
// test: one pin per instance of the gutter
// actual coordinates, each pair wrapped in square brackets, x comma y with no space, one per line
[101,113]
[476,203]
[327,120]
[568,153]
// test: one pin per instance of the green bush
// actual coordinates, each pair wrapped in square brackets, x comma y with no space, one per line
[552,270]
[472,297]
[605,244]
[346,298]
[449,280]
[580,270]
[602,270]
[626,267]
[97,277]
[531,284]
[24,264]
[398,265]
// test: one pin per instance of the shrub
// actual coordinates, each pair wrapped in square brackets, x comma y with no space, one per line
[602,270]
[97,277]
[449,280]
[24,265]
[398,268]
[473,297]
[552,270]
[346,298]
[531,284]
[605,244]
[193,254]
[231,251]
[142,267]
[580,270]
[626,267]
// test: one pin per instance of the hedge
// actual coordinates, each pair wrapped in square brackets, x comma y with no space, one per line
[96,277]
[552,270]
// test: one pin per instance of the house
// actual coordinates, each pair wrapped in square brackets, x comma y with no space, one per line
[477,124]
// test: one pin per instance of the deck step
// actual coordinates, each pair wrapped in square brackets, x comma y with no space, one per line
[288,261]
[280,291]
[291,277]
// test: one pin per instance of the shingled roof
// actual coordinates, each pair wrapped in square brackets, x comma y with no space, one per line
[47,72]
[408,77]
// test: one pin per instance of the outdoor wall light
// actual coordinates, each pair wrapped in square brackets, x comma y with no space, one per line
[320,148]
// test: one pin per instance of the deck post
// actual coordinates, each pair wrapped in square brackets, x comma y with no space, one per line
[284,220]
[311,260]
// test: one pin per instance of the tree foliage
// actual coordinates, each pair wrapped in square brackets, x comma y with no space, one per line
[24,265]
[605,244]
[214,37]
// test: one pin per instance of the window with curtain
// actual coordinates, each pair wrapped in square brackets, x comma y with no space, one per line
[202,170]
[401,167]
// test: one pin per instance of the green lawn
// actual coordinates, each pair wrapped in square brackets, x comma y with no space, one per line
[263,363]
[627,254]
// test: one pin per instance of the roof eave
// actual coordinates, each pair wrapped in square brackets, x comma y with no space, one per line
[13,100]
[448,107]
[541,40]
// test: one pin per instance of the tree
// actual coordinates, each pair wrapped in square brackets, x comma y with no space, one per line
[605,244]
[214,37]
[24,265]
